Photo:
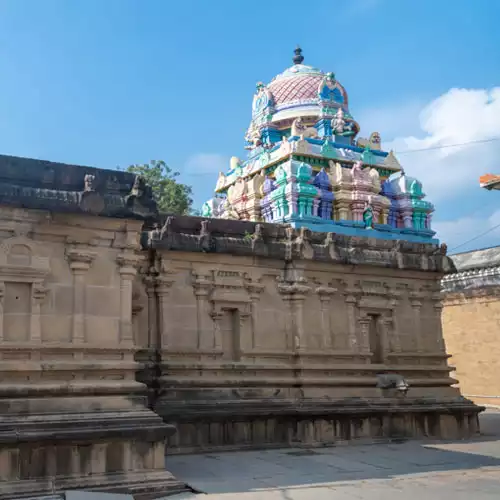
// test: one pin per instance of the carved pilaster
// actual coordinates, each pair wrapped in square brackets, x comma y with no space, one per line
[351,300]
[163,284]
[393,325]
[79,263]
[127,263]
[153,340]
[254,289]
[217,316]
[2,296]
[364,330]
[295,293]
[202,286]
[38,294]
[416,305]
[437,304]
[325,294]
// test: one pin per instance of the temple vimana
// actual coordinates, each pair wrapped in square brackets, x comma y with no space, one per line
[302,309]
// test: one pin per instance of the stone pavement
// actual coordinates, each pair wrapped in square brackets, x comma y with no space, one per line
[453,470]
[458,470]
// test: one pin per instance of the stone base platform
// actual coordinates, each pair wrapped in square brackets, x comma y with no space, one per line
[112,444]
[257,424]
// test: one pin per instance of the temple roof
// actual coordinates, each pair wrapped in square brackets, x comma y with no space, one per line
[477,259]
[59,187]
[490,181]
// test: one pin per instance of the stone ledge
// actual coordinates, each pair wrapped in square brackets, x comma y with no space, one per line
[281,242]
[307,407]
[58,187]
[138,485]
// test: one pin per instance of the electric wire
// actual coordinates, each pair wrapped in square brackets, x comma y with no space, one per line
[476,237]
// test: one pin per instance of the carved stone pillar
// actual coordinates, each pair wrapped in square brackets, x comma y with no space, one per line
[163,285]
[128,269]
[364,331]
[2,295]
[38,293]
[325,294]
[438,309]
[351,303]
[79,263]
[217,335]
[254,288]
[153,340]
[416,305]
[295,293]
[393,326]
[202,285]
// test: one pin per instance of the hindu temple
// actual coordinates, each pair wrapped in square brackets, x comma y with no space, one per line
[303,309]
[307,167]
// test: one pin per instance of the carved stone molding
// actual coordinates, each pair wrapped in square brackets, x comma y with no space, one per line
[202,284]
[80,259]
[326,292]
[128,263]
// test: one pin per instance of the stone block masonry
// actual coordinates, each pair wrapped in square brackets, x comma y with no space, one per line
[72,414]
[118,325]
[262,335]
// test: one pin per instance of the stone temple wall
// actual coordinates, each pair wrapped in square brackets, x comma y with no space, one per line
[118,327]
[73,415]
[260,335]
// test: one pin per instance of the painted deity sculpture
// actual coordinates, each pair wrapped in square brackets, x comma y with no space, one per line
[368,216]
[322,183]
[328,89]
[340,126]
[301,130]
[374,142]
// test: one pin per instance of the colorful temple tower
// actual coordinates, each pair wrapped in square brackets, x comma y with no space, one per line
[307,167]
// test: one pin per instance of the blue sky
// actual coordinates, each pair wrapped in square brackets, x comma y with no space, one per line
[114,82]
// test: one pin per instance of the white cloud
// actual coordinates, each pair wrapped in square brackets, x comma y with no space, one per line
[391,121]
[207,163]
[481,230]
[457,117]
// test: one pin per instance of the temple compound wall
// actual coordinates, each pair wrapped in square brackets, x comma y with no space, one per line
[471,323]
[121,331]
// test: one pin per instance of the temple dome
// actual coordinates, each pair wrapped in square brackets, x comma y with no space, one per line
[299,91]
[401,184]
[299,84]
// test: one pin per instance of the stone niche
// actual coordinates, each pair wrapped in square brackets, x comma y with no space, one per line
[72,413]
[261,335]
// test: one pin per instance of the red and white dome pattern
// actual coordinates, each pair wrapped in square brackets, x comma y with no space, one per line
[296,88]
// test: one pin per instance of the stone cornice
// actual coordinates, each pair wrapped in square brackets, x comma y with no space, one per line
[62,188]
[281,242]
[481,278]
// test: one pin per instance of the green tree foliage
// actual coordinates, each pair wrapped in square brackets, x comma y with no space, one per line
[171,196]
